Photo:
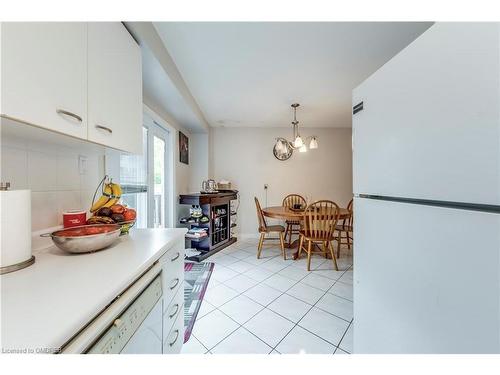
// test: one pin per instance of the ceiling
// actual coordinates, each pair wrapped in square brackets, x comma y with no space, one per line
[248,74]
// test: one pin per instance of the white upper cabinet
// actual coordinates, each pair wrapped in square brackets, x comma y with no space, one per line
[79,79]
[44,75]
[114,87]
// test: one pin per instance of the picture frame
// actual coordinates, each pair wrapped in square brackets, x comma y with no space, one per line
[183,148]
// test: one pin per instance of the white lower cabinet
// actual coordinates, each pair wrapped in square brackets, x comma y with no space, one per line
[44,75]
[173,299]
[172,343]
[172,275]
[175,308]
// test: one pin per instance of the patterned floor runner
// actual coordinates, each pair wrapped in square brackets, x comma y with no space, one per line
[196,278]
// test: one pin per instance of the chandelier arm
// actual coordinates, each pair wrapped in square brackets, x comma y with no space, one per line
[295,130]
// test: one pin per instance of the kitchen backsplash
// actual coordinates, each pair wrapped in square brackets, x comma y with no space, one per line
[58,180]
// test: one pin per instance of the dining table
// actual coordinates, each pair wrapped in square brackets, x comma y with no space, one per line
[287,213]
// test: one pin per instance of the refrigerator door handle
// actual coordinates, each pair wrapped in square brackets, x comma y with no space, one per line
[491,208]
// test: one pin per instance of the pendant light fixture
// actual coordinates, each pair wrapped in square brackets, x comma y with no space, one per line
[314,143]
[283,148]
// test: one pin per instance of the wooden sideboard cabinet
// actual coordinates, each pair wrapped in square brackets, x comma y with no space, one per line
[217,207]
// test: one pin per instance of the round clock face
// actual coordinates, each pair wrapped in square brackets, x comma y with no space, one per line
[284,152]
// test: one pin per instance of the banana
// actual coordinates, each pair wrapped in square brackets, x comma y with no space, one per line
[117,190]
[116,193]
[104,199]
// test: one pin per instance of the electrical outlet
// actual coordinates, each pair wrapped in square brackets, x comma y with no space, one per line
[266,186]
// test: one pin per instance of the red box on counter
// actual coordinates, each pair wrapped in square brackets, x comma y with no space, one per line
[74,218]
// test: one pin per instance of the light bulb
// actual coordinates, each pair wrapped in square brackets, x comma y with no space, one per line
[279,145]
[313,144]
[303,148]
[298,142]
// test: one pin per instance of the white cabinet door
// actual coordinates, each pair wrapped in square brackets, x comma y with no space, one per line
[429,128]
[115,87]
[426,279]
[44,75]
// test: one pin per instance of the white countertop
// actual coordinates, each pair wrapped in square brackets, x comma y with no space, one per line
[44,305]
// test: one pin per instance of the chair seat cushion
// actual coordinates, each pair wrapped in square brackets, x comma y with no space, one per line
[275,228]
[309,236]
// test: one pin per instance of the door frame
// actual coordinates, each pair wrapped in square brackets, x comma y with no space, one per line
[158,126]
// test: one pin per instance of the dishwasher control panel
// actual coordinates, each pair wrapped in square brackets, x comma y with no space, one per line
[124,326]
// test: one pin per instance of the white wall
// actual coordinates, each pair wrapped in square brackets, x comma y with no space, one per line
[244,156]
[43,163]
[198,160]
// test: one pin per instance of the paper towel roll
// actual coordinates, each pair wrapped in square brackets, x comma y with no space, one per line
[15,229]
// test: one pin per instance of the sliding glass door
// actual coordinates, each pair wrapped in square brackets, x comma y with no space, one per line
[134,181]
[159,164]
[145,178]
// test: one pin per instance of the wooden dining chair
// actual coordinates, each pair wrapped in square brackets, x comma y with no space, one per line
[318,227]
[292,226]
[345,227]
[266,229]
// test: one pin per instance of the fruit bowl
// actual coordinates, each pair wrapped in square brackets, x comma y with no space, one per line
[107,208]
[126,226]
[85,238]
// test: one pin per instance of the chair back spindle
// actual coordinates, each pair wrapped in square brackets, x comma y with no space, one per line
[260,216]
[320,219]
[293,199]
[350,207]
[347,222]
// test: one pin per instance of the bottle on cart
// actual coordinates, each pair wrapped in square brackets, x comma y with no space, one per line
[197,212]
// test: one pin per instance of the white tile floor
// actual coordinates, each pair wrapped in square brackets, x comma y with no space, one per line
[269,305]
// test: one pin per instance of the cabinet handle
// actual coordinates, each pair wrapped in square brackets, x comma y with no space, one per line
[110,131]
[175,312]
[176,283]
[176,257]
[176,337]
[70,114]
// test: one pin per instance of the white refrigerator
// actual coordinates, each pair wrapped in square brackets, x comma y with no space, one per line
[426,169]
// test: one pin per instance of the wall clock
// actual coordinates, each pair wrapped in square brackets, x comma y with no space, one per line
[282,150]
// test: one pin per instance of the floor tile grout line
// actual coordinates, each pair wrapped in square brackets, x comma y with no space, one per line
[297,324]
[314,305]
[266,306]
[197,339]
[259,283]
[240,326]
[290,265]
[263,307]
[345,333]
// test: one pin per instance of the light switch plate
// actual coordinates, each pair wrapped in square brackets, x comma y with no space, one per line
[82,164]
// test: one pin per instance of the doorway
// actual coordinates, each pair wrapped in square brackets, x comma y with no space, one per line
[145,179]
